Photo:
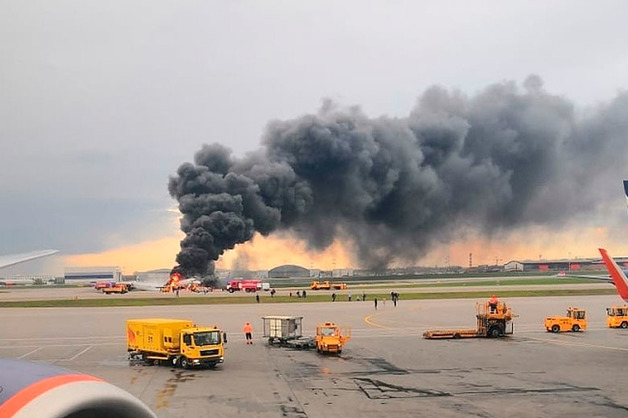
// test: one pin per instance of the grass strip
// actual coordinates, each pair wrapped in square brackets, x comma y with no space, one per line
[124,301]
[505,282]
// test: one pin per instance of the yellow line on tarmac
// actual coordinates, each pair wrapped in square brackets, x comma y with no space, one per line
[367,319]
[605,347]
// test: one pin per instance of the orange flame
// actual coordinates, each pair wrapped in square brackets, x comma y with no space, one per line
[174,280]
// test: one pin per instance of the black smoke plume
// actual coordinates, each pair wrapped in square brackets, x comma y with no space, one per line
[508,157]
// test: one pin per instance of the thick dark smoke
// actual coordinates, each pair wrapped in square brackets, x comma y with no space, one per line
[508,157]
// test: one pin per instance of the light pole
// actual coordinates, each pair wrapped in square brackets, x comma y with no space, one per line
[569,262]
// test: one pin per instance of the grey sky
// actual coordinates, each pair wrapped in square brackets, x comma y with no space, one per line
[101,101]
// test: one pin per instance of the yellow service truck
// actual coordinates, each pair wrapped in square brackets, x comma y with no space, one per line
[178,342]
[575,321]
[330,338]
[617,317]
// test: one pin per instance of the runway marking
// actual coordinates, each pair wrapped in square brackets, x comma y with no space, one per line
[574,343]
[52,345]
[81,353]
[30,352]
[65,338]
[367,319]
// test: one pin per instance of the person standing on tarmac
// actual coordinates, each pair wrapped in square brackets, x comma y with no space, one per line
[248,332]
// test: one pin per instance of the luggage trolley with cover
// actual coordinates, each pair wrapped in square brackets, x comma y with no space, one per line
[286,331]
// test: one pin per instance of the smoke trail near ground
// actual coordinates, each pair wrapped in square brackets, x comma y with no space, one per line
[508,157]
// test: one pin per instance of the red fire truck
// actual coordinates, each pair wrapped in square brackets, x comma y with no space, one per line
[246,285]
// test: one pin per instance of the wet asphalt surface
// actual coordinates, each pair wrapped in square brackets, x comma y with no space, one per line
[386,369]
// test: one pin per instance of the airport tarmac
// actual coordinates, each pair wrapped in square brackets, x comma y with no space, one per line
[387,369]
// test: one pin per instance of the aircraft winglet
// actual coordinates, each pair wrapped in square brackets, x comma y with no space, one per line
[617,274]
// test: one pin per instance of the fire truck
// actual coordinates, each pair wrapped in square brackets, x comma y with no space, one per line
[247,285]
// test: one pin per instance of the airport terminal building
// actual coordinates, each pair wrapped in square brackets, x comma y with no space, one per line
[92,274]
[577,264]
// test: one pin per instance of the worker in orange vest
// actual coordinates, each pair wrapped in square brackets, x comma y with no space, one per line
[493,302]
[248,332]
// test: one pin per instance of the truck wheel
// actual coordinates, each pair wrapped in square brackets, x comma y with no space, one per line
[230,290]
[184,363]
[456,336]
[555,328]
[494,332]
[575,328]
[624,324]
[175,361]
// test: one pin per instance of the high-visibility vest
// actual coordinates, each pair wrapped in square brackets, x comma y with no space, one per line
[248,328]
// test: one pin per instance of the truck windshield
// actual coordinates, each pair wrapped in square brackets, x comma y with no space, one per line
[327,331]
[207,338]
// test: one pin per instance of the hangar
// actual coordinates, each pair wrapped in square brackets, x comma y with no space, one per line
[288,270]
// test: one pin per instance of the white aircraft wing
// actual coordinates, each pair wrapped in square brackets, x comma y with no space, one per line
[12,259]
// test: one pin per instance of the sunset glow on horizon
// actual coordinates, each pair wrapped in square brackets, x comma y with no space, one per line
[263,253]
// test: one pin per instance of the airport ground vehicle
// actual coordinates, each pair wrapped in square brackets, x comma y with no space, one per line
[330,338]
[575,320]
[176,342]
[286,331]
[247,285]
[491,322]
[327,285]
[102,285]
[119,288]
[316,285]
[617,316]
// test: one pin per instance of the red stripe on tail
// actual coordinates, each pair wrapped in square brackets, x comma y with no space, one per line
[617,275]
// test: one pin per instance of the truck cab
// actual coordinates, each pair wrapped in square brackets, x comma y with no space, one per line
[200,346]
[617,317]
[575,320]
[494,319]
[330,338]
